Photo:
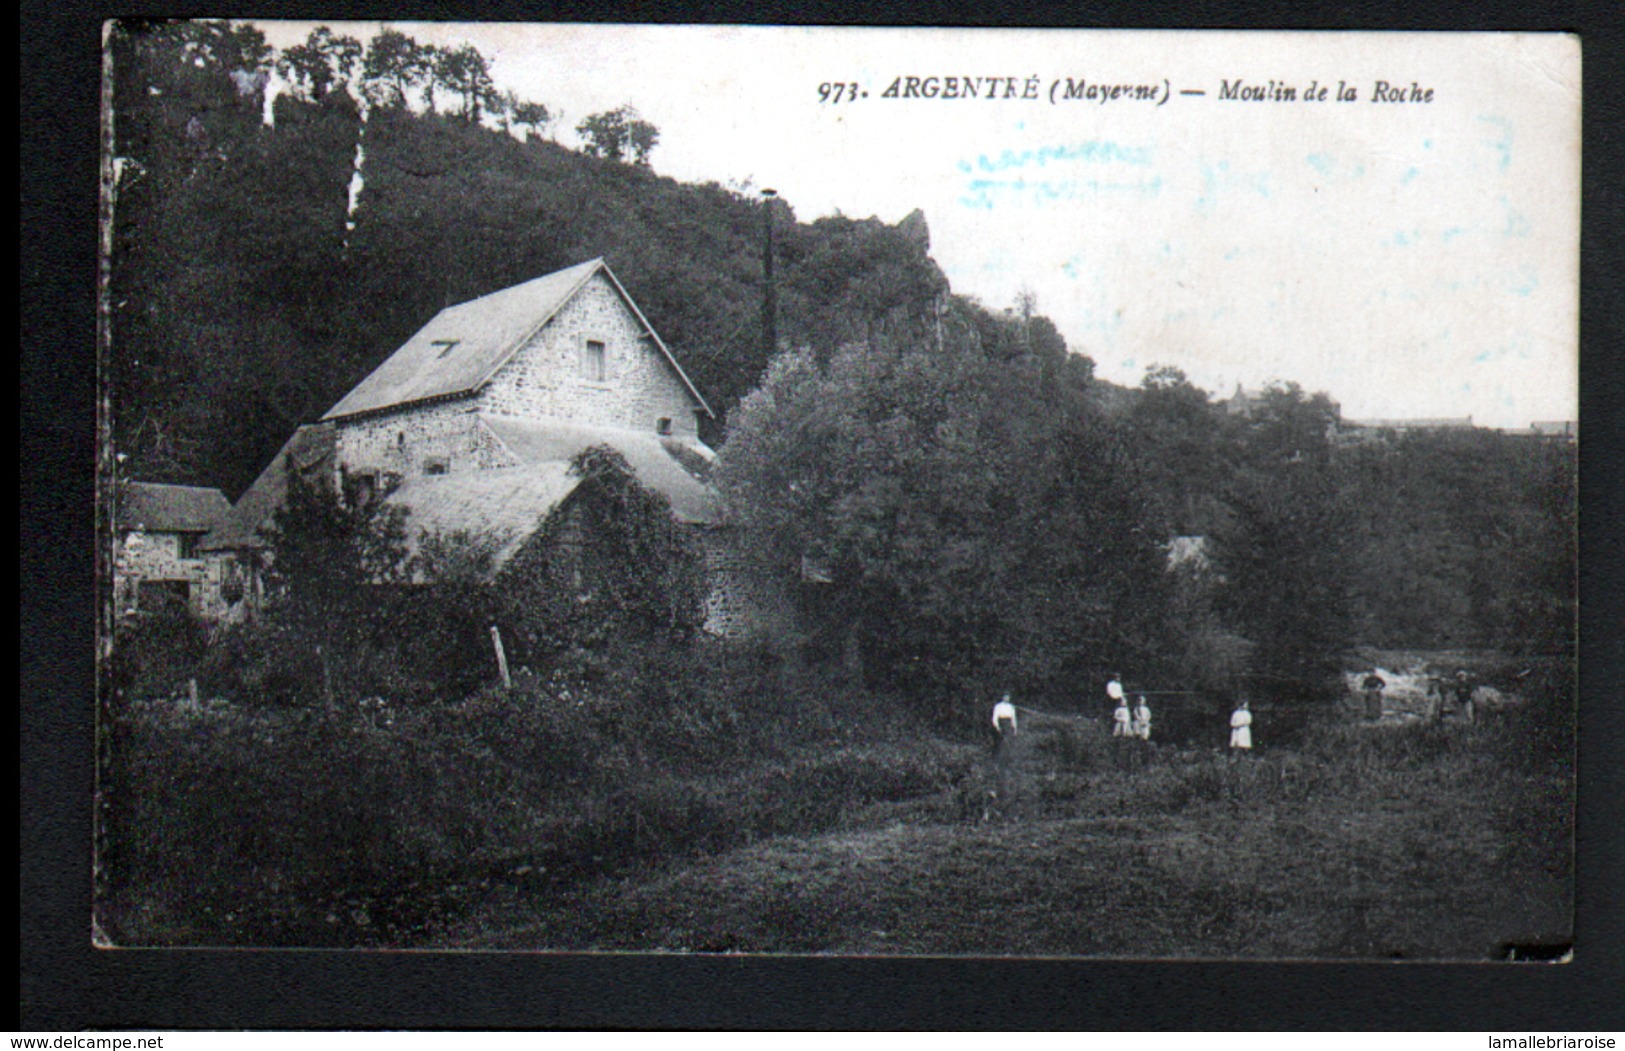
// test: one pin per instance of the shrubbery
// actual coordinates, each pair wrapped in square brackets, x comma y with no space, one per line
[372,822]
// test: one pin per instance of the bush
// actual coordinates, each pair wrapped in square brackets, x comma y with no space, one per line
[156,651]
[240,826]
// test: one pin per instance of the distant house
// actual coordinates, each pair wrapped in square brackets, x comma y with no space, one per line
[158,560]
[471,425]
[1244,402]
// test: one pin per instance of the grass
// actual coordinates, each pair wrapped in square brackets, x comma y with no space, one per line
[1361,843]
[571,822]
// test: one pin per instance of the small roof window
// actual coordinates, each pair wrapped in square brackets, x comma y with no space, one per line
[446,345]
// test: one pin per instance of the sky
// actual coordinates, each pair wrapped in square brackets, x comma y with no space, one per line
[1409,258]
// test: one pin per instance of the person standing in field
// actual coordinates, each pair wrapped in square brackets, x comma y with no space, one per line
[1122,719]
[1004,723]
[1004,716]
[1436,694]
[1142,718]
[1464,687]
[1114,689]
[1241,730]
[1372,687]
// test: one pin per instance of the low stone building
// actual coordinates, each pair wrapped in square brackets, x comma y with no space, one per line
[158,561]
[471,425]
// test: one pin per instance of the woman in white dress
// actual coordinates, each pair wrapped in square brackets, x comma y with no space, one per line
[1142,718]
[1241,730]
[1122,719]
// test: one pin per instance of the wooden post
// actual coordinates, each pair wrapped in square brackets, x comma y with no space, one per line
[191,691]
[502,657]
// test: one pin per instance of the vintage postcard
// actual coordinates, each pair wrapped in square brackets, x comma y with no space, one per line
[838,491]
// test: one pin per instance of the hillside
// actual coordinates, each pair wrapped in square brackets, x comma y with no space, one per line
[250,292]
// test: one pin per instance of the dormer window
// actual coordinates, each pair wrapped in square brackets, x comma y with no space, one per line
[436,465]
[663,426]
[446,346]
[592,361]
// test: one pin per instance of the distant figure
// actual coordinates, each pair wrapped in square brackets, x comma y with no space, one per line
[1241,730]
[1004,716]
[1142,718]
[1436,693]
[1371,687]
[1122,719]
[1004,722]
[1463,687]
[1114,689]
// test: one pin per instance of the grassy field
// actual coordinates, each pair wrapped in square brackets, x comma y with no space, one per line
[547,820]
[1362,842]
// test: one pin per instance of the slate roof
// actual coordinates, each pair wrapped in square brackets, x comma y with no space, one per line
[508,503]
[311,447]
[484,334]
[153,507]
[536,442]
[505,504]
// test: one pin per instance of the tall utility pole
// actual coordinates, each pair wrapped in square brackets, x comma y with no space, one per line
[770,306]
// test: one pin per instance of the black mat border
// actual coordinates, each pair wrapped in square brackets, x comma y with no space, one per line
[65,984]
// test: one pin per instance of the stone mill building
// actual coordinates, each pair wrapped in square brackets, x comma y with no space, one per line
[472,423]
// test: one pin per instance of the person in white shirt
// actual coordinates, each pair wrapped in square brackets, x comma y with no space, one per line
[1142,718]
[1241,730]
[1114,689]
[1004,717]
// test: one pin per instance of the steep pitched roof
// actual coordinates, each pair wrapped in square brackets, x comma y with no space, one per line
[154,507]
[657,466]
[462,347]
[310,448]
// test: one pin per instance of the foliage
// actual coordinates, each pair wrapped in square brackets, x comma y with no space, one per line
[331,551]
[980,522]
[608,563]
[394,64]
[156,649]
[1284,553]
[466,72]
[324,61]
[618,135]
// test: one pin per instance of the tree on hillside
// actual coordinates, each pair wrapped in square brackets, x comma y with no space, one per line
[1285,551]
[1178,435]
[395,64]
[618,135]
[323,61]
[466,71]
[526,114]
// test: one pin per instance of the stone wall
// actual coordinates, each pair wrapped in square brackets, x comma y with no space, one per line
[744,601]
[405,442]
[155,556]
[548,376]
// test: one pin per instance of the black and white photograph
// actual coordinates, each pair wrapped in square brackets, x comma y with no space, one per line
[798,491]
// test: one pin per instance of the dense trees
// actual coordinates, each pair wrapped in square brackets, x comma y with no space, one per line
[988,509]
[249,294]
[618,135]
[978,521]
